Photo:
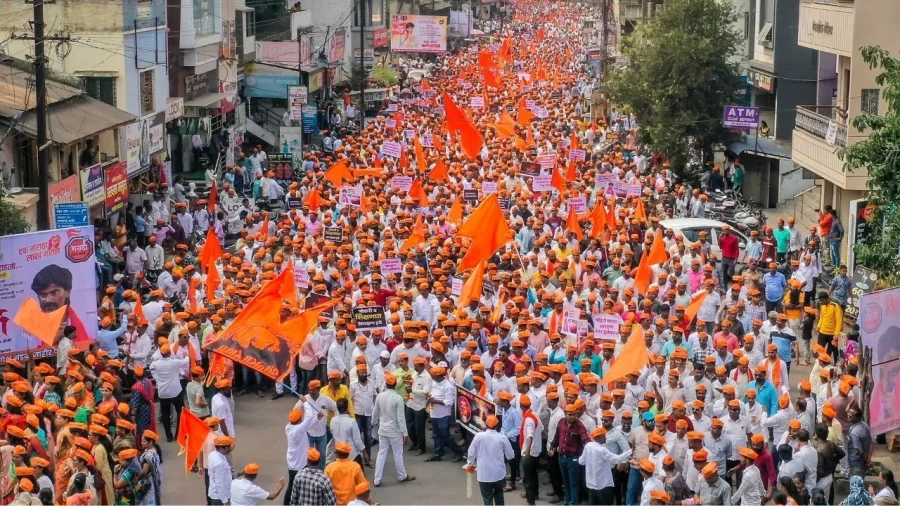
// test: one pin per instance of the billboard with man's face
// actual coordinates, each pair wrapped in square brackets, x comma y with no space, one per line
[56,268]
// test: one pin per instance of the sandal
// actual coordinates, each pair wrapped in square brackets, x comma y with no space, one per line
[509,488]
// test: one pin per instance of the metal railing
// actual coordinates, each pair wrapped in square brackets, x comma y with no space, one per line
[816,120]
[267,118]
[806,203]
[848,3]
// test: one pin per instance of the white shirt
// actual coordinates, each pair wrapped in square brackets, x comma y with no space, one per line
[219,477]
[167,373]
[246,493]
[533,429]
[221,409]
[297,444]
[653,483]
[389,415]
[345,430]
[736,431]
[490,450]
[363,395]
[337,357]
[444,391]
[311,409]
[598,462]
[421,387]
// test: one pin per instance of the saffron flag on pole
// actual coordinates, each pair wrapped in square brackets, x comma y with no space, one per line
[337,173]
[211,250]
[643,274]
[456,212]
[658,253]
[634,357]
[694,307]
[470,138]
[488,230]
[440,172]
[192,432]
[213,199]
[473,286]
[572,224]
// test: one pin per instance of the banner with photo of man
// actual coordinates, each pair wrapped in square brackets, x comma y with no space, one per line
[56,269]
[472,410]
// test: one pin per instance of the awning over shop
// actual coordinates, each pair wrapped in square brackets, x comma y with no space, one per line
[761,146]
[434,5]
[74,119]
[208,100]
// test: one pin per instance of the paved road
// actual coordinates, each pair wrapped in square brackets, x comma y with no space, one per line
[260,439]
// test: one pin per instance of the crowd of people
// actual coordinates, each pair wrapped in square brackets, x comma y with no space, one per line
[711,415]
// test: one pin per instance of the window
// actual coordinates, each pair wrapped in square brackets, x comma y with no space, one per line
[250,23]
[148,102]
[376,9]
[101,88]
[693,234]
[765,35]
[870,101]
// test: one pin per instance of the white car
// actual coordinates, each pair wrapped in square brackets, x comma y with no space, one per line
[690,228]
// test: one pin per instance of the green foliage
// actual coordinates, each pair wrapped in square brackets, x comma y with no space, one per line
[680,78]
[880,153]
[386,75]
[11,220]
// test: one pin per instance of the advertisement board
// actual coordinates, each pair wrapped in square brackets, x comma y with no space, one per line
[92,190]
[266,81]
[55,268]
[71,214]
[423,34]
[64,192]
[862,282]
[310,122]
[297,96]
[290,139]
[337,46]
[472,410]
[143,140]
[879,328]
[741,117]
[116,187]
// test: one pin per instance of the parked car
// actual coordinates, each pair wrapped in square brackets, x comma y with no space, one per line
[690,228]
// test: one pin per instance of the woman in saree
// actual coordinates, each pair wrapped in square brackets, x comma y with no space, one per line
[103,464]
[151,467]
[64,442]
[130,485]
[142,407]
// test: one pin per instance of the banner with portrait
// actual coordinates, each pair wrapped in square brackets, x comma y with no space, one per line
[879,329]
[472,410]
[55,268]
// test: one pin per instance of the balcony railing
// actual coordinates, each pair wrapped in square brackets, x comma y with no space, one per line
[829,2]
[817,120]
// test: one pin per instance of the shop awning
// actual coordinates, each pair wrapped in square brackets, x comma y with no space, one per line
[74,119]
[209,100]
[434,5]
[761,146]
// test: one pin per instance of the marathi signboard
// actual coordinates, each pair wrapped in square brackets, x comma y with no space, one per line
[116,187]
[863,282]
[369,317]
[92,189]
[55,268]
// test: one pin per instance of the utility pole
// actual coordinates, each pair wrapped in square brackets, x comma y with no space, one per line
[604,42]
[40,86]
[361,5]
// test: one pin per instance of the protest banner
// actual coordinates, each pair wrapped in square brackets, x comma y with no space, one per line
[606,326]
[633,190]
[301,277]
[390,123]
[350,195]
[577,154]
[546,161]
[409,133]
[428,140]
[570,322]
[456,285]
[541,184]
[488,187]
[530,104]
[391,266]
[504,204]
[579,204]
[392,149]
[369,317]
[472,410]
[604,180]
[470,195]
[335,234]
[46,272]
[401,183]
[530,169]
[294,202]
[393,107]
[476,102]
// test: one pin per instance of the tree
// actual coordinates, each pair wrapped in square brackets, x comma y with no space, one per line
[681,73]
[11,220]
[880,154]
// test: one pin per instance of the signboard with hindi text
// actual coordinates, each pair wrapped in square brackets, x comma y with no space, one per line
[334,234]
[391,266]
[369,317]
[392,149]
[418,34]
[472,410]
[606,326]
[401,183]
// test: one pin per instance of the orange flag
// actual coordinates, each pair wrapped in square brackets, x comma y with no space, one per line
[211,250]
[503,131]
[192,293]
[313,200]
[471,290]
[216,367]
[598,220]
[639,212]
[529,138]
[611,216]
[264,229]
[213,199]
[288,287]
[634,357]
[572,224]
[520,144]
[416,192]
[488,230]
[691,310]
[524,116]
[364,205]
[568,54]
[403,162]
[416,236]
[138,309]
[491,79]
[375,171]
[658,253]
[573,144]
[571,172]
[36,322]
[425,85]
[192,432]
[212,282]
[469,137]
[456,212]
[337,173]
[439,172]
[420,155]
[643,275]
[557,181]
[436,140]
[486,59]
[377,163]
[296,329]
